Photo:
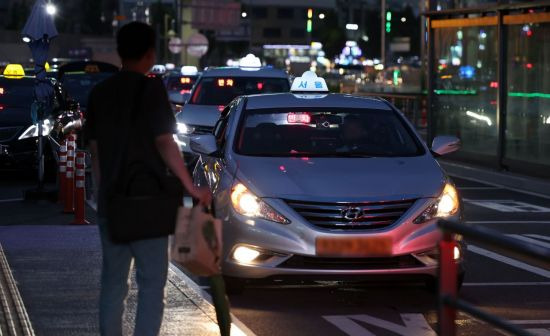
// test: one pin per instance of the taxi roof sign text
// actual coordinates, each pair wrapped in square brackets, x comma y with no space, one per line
[309,82]
[14,71]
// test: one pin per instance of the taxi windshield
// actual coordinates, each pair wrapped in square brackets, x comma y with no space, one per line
[327,132]
[179,83]
[17,92]
[222,90]
[79,85]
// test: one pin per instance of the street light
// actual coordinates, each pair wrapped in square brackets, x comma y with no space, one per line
[352,26]
[51,9]
[244,14]
[322,16]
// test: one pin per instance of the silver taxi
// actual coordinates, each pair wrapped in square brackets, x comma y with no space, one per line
[216,88]
[325,186]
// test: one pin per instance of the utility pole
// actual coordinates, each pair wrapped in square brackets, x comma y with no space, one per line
[383,32]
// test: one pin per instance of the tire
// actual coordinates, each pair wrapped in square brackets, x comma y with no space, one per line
[233,285]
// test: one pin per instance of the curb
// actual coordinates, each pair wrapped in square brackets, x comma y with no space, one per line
[524,184]
[14,314]
[203,300]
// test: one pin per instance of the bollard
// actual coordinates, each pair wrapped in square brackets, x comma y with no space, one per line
[62,172]
[80,190]
[447,285]
[69,190]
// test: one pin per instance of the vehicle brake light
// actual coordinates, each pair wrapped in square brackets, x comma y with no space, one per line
[220,107]
[260,85]
[298,118]
[151,75]
[494,85]
[185,91]
[1,107]
[185,80]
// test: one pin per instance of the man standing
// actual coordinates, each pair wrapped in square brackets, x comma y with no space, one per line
[110,104]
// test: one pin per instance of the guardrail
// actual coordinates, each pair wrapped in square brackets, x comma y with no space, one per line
[414,107]
[449,303]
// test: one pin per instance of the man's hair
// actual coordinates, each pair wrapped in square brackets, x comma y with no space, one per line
[134,40]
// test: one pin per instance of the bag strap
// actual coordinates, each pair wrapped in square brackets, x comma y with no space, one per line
[132,115]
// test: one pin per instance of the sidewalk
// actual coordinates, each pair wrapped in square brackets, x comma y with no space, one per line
[57,267]
[506,179]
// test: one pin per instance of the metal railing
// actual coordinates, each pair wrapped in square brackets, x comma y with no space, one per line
[449,303]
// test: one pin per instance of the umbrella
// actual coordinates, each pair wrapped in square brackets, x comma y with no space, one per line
[217,285]
[38,31]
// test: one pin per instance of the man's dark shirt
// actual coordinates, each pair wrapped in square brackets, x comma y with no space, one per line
[109,119]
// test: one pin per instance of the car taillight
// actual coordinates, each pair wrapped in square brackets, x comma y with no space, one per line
[220,108]
[298,118]
[185,91]
[1,107]
[260,86]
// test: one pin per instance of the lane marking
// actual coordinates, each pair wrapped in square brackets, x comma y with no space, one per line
[507,222]
[478,188]
[495,284]
[538,236]
[414,325]
[11,200]
[501,186]
[507,205]
[509,261]
[531,240]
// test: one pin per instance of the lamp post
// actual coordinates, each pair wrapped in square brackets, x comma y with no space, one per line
[37,33]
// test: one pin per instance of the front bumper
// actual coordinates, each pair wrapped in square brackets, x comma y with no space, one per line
[290,250]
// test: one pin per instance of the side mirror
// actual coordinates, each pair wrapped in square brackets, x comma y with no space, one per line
[445,144]
[204,144]
[178,98]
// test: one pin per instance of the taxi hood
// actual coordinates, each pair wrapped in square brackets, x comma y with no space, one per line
[342,179]
[202,115]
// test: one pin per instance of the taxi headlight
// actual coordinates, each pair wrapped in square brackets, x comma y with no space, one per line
[185,129]
[446,205]
[32,131]
[247,204]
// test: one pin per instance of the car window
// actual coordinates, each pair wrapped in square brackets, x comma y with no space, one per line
[184,84]
[79,85]
[222,90]
[326,132]
[17,92]
[220,130]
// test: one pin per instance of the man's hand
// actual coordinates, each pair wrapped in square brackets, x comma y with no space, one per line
[203,194]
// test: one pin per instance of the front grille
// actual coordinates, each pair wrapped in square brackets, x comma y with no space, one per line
[7,133]
[351,216]
[202,129]
[301,262]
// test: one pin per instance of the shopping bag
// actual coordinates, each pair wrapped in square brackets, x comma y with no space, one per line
[197,241]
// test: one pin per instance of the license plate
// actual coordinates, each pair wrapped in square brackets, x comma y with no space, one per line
[354,246]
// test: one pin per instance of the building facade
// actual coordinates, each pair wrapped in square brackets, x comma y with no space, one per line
[489,81]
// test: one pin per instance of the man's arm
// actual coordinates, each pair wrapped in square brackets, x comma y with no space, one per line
[171,155]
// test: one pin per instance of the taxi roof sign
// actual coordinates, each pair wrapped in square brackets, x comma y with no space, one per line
[14,71]
[189,70]
[309,82]
[250,61]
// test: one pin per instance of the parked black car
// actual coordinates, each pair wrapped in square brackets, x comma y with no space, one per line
[19,133]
